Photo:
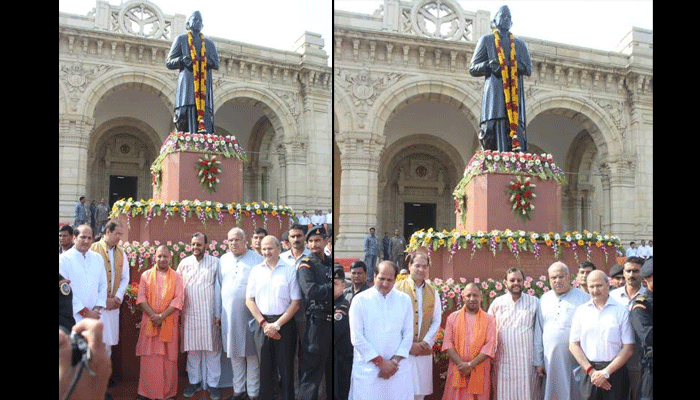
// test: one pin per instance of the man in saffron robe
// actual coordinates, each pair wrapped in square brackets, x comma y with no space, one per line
[161,294]
[470,341]
[427,315]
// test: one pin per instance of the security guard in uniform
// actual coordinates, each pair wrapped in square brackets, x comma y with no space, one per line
[314,275]
[342,346]
[642,319]
[65,303]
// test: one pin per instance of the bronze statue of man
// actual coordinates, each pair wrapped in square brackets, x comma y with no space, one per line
[503,105]
[195,56]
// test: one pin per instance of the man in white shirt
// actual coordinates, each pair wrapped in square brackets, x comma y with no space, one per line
[632,251]
[381,331]
[85,270]
[644,252]
[273,296]
[304,219]
[317,218]
[602,341]
[237,339]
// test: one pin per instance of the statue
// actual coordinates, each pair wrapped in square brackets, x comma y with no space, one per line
[195,56]
[503,105]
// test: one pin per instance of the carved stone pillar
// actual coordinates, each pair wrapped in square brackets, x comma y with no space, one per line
[73,138]
[358,193]
[619,191]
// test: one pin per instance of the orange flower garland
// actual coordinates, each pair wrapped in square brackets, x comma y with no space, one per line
[510,87]
[199,71]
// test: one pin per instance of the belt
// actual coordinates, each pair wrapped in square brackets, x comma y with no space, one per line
[271,318]
[322,316]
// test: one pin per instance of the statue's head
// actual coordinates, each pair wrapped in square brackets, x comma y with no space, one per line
[502,20]
[195,22]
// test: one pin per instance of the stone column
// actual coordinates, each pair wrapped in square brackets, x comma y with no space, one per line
[358,192]
[73,138]
[618,181]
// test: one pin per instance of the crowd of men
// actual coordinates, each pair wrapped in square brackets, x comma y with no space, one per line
[259,307]
[589,340]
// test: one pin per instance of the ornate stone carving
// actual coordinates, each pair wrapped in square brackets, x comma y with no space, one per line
[77,77]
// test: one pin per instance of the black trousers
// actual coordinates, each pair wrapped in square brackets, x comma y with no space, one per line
[619,381]
[274,356]
[316,361]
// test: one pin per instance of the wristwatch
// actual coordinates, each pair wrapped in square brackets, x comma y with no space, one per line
[606,374]
[276,325]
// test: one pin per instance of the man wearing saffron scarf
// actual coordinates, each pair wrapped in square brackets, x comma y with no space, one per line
[117,270]
[470,342]
[495,125]
[187,55]
[427,315]
[381,331]
[161,294]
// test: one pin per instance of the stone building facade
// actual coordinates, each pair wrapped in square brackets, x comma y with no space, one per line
[116,108]
[406,116]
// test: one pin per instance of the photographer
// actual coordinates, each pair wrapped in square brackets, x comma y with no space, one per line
[88,386]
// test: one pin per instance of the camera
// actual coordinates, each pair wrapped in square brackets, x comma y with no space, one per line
[79,345]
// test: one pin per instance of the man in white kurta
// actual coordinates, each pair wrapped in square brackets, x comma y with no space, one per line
[201,318]
[381,332]
[116,267]
[237,338]
[85,271]
[551,356]
[514,312]
[427,315]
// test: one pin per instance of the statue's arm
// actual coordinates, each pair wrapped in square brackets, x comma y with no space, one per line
[479,65]
[213,60]
[524,61]
[175,57]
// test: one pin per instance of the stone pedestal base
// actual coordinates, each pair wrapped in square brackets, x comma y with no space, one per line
[180,180]
[488,207]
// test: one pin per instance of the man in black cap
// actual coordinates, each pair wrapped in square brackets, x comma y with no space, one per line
[642,320]
[314,274]
[617,278]
[342,346]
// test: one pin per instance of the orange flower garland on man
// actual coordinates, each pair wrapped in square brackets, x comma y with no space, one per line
[502,60]
[195,56]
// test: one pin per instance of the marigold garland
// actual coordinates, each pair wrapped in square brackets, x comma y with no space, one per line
[199,72]
[510,87]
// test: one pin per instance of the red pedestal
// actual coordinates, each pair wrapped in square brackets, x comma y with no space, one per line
[180,180]
[488,207]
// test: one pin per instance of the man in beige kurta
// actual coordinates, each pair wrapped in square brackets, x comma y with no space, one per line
[201,318]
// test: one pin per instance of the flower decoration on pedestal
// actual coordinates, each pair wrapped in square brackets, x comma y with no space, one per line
[132,293]
[522,192]
[209,172]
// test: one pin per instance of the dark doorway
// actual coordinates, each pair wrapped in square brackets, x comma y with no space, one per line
[121,187]
[417,216]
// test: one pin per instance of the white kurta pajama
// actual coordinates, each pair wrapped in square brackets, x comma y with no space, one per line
[88,279]
[201,337]
[513,372]
[237,338]
[110,318]
[380,326]
[422,366]
[551,346]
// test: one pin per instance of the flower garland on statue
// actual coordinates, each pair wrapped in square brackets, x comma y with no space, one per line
[199,72]
[209,172]
[510,87]
[521,194]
